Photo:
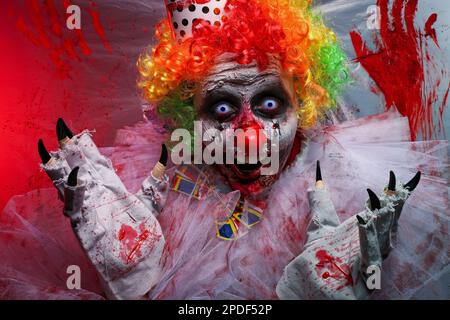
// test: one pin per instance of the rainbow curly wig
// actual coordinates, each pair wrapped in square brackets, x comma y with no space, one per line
[287,29]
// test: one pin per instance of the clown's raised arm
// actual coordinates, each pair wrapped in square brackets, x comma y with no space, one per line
[339,258]
[117,230]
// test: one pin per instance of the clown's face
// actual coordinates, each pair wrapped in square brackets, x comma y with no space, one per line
[235,96]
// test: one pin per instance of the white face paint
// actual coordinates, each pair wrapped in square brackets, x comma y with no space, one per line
[235,96]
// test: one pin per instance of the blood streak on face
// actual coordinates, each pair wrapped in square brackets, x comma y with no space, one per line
[236,96]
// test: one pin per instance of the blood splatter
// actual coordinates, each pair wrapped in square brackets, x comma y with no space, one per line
[430,31]
[54,17]
[132,242]
[92,92]
[332,267]
[47,31]
[79,34]
[99,27]
[137,246]
[402,65]
[444,103]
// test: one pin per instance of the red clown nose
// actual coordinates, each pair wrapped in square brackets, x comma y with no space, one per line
[251,138]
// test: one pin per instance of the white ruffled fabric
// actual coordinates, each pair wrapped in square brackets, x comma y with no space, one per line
[37,243]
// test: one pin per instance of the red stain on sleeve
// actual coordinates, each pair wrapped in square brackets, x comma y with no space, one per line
[331,267]
[127,236]
[138,244]
[132,241]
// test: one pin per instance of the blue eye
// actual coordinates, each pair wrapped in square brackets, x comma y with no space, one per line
[270,104]
[223,109]
[270,107]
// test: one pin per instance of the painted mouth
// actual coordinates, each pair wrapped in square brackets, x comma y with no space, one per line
[247,171]
[247,167]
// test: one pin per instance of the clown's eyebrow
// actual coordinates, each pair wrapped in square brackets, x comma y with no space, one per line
[230,92]
[274,89]
[231,79]
[226,94]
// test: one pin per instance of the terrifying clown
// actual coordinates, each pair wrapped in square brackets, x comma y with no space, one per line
[227,231]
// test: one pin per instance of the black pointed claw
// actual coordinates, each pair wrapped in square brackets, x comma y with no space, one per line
[43,153]
[392,181]
[68,131]
[374,201]
[62,130]
[72,180]
[164,155]
[412,184]
[318,172]
[360,220]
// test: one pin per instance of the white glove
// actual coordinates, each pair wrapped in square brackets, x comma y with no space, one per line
[117,230]
[336,257]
